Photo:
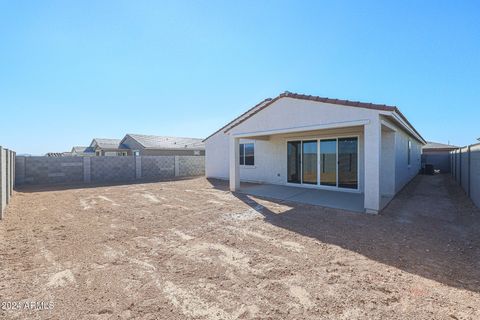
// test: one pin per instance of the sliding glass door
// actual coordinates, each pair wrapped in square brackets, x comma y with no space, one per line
[334,164]
[328,162]
[309,162]
[294,161]
[348,163]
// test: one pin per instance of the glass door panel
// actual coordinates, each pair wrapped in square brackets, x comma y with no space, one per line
[294,161]
[309,161]
[328,162]
[348,163]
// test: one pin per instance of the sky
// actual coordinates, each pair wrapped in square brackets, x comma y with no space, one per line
[74,70]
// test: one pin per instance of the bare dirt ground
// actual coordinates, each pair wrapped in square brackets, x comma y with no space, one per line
[192,250]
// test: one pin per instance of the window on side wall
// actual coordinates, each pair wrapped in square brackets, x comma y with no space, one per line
[247,154]
[409,152]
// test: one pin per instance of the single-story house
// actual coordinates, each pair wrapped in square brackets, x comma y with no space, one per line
[438,155]
[148,145]
[109,147]
[82,151]
[348,150]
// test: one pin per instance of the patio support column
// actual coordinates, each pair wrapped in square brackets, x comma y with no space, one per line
[372,147]
[234,155]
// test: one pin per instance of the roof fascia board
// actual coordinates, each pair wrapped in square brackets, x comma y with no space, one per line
[407,127]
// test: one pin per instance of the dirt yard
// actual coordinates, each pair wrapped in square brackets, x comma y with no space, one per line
[192,250]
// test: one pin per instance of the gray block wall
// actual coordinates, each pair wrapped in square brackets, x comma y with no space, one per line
[7,177]
[466,170]
[112,169]
[50,170]
[190,166]
[74,170]
[440,161]
[158,167]
[475,174]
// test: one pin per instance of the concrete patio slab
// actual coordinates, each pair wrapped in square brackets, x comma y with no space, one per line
[331,199]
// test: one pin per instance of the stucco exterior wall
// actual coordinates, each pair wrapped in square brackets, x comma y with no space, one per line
[216,156]
[387,165]
[404,172]
[288,113]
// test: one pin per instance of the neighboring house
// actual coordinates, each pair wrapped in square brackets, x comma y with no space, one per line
[109,147]
[313,142]
[148,145]
[82,151]
[438,155]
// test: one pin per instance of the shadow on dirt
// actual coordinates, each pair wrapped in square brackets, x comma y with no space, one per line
[69,186]
[430,229]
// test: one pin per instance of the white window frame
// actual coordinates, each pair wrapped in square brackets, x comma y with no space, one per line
[247,166]
[409,153]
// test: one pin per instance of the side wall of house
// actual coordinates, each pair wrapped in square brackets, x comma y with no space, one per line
[404,172]
[216,156]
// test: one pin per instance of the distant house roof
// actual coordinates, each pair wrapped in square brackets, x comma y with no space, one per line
[107,143]
[78,149]
[54,154]
[164,142]
[439,146]
[269,101]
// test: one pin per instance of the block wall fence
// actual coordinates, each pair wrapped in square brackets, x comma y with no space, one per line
[7,178]
[92,170]
[465,169]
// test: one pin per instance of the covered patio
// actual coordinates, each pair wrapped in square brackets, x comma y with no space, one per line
[356,189]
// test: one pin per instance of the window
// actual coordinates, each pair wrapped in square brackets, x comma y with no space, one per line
[136,153]
[247,154]
[409,152]
[196,152]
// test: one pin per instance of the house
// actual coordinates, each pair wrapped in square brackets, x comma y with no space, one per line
[438,155]
[148,145]
[344,151]
[82,151]
[109,147]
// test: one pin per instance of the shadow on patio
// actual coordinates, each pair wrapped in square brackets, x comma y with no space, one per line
[430,229]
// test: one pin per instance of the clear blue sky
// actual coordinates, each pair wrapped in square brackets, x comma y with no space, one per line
[74,70]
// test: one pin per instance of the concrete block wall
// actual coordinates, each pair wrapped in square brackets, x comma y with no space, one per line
[474,187]
[466,170]
[158,167]
[190,166]
[7,177]
[112,169]
[72,170]
[50,170]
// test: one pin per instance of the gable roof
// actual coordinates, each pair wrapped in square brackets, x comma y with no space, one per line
[78,149]
[436,145]
[107,143]
[165,142]
[269,101]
